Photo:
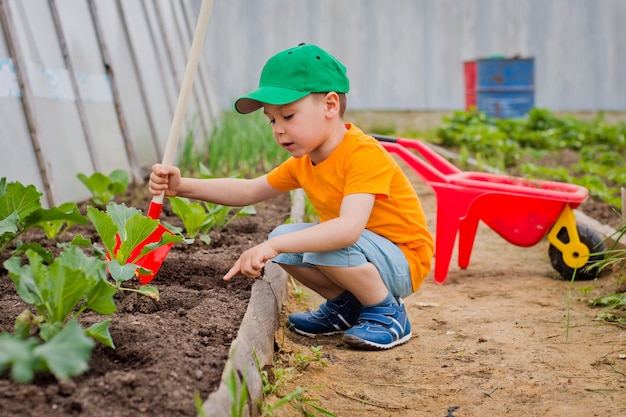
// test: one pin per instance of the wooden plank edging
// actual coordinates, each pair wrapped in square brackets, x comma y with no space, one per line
[255,337]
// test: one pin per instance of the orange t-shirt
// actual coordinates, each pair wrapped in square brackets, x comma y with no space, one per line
[361,165]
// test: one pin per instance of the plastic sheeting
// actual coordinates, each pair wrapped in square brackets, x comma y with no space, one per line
[91,85]
[63,149]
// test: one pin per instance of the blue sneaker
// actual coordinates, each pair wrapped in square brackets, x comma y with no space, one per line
[332,317]
[380,327]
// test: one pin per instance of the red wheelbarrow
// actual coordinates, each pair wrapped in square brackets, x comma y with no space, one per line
[521,211]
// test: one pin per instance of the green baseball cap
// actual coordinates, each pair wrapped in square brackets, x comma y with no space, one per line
[293,74]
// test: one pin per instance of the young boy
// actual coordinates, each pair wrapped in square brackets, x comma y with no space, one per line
[371,246]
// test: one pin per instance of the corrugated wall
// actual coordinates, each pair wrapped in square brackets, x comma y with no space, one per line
[90,85]
[408,54]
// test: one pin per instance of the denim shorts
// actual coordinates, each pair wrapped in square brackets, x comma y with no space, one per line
[371,247]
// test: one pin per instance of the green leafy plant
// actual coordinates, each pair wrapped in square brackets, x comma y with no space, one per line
[21,210]
[105,188]
[613,307]
[240,145]
[513,144]
[224,215]
[299,293]
[273,385]
[614,257]
[197,400]
[267,410]
[123,231]
[66,355]
[52,339]
[238,391]
[200,218]
[194,216]
[586,290]
[303,360]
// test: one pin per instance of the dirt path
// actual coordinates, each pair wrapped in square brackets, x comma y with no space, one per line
[494,340]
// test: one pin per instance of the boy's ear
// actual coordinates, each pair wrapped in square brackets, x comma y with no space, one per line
[332,104]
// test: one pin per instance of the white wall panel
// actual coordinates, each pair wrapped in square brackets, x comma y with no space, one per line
[150,79]
[128,83]
[409,54]
[197,102]
[94,85]
[59,129]
[17,155]
[178,44]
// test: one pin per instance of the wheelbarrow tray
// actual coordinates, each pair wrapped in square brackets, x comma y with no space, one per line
[522,211]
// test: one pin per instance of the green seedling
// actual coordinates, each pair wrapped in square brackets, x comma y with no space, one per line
[306,406]
[611,301]
[309,406]
[614,257]
[198,219]
[66,355]
[51,339]
[299,293]
[223,215]
[272,385]
[197,400]
[105,188]
[238,390]
[584,291]
[21,209]
[123,231]
[303,360]
[613,305]
[598,147]
[194,216]
[267,410]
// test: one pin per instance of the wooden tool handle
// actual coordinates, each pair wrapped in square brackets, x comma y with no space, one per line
[185,89]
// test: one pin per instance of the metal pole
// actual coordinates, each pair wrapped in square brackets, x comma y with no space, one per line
[106,60]
[168,52]
[28,102]
[170,94]
[183,48]
[80,105]
[213,113]
[142,87]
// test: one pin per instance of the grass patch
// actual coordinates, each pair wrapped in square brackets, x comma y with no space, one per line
[239,145]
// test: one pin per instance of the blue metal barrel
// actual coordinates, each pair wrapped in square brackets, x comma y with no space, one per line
[505,88]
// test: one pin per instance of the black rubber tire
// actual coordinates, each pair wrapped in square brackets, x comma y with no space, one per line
[590,239]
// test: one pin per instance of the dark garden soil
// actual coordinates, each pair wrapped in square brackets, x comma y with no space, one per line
[167,351]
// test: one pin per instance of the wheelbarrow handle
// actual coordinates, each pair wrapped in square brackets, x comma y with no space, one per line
[440,165]
[382,138]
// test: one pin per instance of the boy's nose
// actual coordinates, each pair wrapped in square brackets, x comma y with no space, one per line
[278,129]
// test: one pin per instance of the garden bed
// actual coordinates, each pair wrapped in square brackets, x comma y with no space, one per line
[167,351]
